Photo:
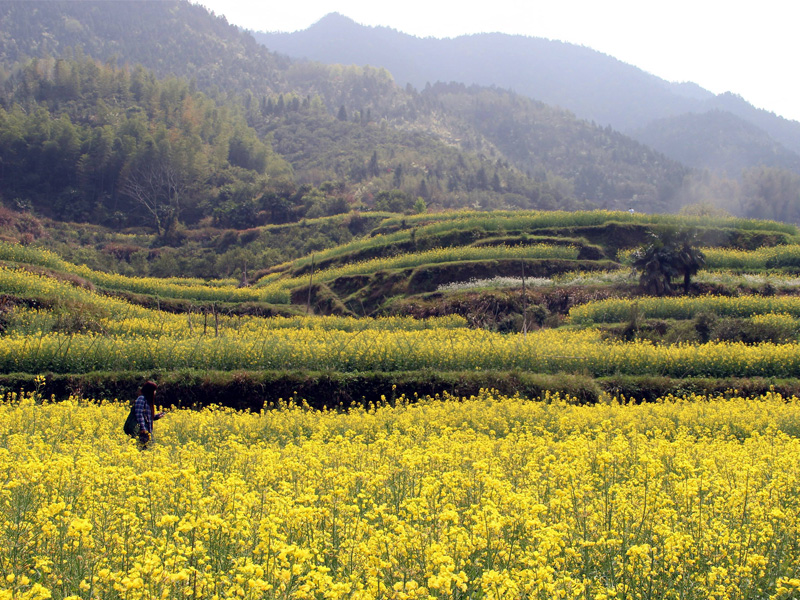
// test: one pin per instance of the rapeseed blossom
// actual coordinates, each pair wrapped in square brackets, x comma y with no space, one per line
[483,497]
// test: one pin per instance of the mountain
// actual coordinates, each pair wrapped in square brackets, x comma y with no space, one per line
[96,96]
[169,38]
[351,133]
[593,85]
[784,131]
[717,140]
[601,165]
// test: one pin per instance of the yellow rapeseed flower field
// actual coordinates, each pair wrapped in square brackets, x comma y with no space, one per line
[613,310]
[762,258]
[487,497]
[372,349]
[113,335]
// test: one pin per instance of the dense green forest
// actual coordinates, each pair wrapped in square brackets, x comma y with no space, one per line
[83,141]
[164,118]
[172,38]
[350,127]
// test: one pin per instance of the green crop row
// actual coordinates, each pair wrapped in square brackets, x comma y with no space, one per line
[614,310]
[528,220]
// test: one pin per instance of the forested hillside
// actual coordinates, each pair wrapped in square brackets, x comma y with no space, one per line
[600,165]
[591,84]
[83,141]
[169,38]
[719,141]
[162,115]
[352,136]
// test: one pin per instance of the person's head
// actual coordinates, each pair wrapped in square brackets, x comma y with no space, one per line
[149,390]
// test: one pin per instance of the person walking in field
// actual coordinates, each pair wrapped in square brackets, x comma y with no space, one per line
[143,414]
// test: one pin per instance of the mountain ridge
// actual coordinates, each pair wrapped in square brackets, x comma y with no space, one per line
[593,85]
[353,139]
[520,51]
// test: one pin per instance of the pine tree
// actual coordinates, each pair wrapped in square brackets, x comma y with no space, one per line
[373,169]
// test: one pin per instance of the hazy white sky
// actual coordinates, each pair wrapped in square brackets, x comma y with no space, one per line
[749,48]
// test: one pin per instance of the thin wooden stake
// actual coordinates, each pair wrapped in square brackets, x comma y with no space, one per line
[524,304]
[310,285]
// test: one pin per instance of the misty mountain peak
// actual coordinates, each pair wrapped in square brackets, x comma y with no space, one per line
[334,20]
[592,85]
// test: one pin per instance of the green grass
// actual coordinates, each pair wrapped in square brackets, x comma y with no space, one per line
[527,220]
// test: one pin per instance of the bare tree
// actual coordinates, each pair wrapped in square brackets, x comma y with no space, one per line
[159,187]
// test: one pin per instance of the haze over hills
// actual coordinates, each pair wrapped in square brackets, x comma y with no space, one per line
[451,146]
[170,38]
[292,139]
[718,140]
[593,85]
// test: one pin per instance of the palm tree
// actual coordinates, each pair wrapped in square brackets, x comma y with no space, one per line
[670,254]
[689,258]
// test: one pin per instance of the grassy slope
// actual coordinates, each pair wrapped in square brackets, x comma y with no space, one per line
[395,270]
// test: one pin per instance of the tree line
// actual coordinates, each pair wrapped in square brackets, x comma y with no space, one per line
[85,141]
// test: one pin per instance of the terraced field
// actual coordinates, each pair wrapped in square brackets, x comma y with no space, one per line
[454,301]
[429,472]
